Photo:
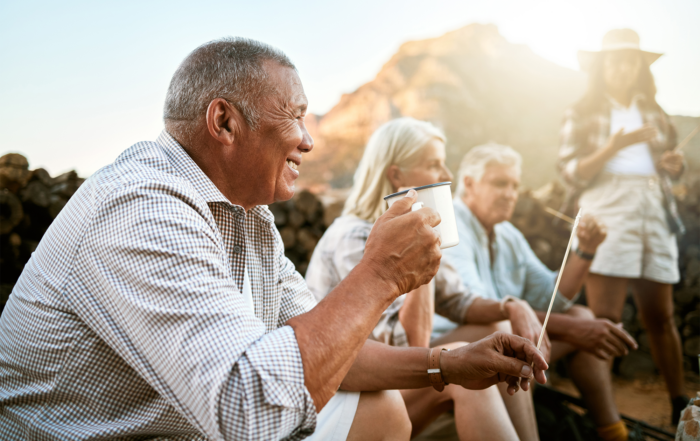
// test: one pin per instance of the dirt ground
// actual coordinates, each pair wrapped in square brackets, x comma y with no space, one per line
[642,399]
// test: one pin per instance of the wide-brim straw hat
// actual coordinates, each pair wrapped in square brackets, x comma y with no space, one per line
[616,40]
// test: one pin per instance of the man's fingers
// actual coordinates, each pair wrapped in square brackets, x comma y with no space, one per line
[525,350]
[619,332]
[402,206]
[513,384]
[620,348]
[609,348]
[432,217]
[600,353]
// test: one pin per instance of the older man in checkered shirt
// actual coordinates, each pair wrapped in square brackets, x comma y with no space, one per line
[160,303]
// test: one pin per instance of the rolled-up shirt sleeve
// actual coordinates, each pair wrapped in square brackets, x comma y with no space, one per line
[570,149]
[462,259]
[155,284]
[452,297]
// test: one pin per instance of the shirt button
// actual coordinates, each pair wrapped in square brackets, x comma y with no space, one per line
[236,249]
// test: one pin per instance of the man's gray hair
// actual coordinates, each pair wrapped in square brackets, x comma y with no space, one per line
[478,158]
[230,68]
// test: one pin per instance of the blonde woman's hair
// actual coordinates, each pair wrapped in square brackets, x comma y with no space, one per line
[475,161]
[398,142]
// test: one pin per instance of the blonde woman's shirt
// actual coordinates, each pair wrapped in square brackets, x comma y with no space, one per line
[341,248]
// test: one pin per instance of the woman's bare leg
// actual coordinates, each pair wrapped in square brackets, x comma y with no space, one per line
[380,416]
[655,302]
[479,414]
[606,296]
[520,406]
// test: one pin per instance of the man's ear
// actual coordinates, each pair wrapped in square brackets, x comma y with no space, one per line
[395,176]
[223,121]
[468,184]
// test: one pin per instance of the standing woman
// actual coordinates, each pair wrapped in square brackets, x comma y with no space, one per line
[616,153]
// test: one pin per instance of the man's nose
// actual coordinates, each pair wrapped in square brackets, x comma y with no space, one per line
[307,142]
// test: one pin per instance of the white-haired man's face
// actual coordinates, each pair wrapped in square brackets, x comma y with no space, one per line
[492,198]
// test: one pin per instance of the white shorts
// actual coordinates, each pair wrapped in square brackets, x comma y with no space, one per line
[639,243]
[335,419]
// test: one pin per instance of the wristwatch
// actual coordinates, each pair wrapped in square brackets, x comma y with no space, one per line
[434,372]
[584,256]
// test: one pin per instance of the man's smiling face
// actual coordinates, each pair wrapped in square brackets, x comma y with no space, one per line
[274,150]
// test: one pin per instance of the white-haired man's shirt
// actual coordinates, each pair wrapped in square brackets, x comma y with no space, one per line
[128,320]
[515,271]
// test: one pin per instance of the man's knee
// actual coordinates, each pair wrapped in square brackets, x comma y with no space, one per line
[502,326]
[580,311]
[381,415]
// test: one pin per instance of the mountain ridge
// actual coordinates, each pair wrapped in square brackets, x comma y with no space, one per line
[472,83]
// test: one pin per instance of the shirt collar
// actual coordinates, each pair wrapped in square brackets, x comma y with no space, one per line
[472,221]
[200,181]
[634,103]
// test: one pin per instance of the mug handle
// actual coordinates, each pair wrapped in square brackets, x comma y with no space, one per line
[417,206]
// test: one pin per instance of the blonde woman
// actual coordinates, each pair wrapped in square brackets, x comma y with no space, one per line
[409,153]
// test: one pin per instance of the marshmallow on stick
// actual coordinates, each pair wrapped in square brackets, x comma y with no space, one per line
[561,271]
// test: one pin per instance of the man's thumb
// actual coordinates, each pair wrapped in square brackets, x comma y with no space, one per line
[402,205]
[514,367]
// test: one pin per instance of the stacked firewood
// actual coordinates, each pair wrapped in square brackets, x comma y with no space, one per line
[29,201]
[301,224]
[548,238]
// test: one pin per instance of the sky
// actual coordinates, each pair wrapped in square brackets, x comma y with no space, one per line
[81,81]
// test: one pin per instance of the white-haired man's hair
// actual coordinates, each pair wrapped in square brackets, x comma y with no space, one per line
[230,68]
[475,161]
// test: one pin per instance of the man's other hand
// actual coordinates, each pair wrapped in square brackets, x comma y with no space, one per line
[403,248]
[496,358]
[590,233]
[526,324]
[601,337]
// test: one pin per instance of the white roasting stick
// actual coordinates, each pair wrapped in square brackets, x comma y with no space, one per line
[561,216]
[686,140]
[561,271]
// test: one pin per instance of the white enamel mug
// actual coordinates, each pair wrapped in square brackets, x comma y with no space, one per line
[439,198]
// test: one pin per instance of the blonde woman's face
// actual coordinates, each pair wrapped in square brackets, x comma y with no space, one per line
[429,168]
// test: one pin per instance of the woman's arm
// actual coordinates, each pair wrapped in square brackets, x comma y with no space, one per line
[416,315]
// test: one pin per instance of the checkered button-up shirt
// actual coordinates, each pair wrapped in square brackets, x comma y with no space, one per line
[128,321]
[584,132]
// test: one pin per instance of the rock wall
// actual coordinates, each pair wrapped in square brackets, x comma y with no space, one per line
[29,201]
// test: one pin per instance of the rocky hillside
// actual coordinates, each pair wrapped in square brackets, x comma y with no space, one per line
[471,82]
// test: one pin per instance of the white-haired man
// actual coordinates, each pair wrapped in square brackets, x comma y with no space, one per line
[160,304]
[495,261]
